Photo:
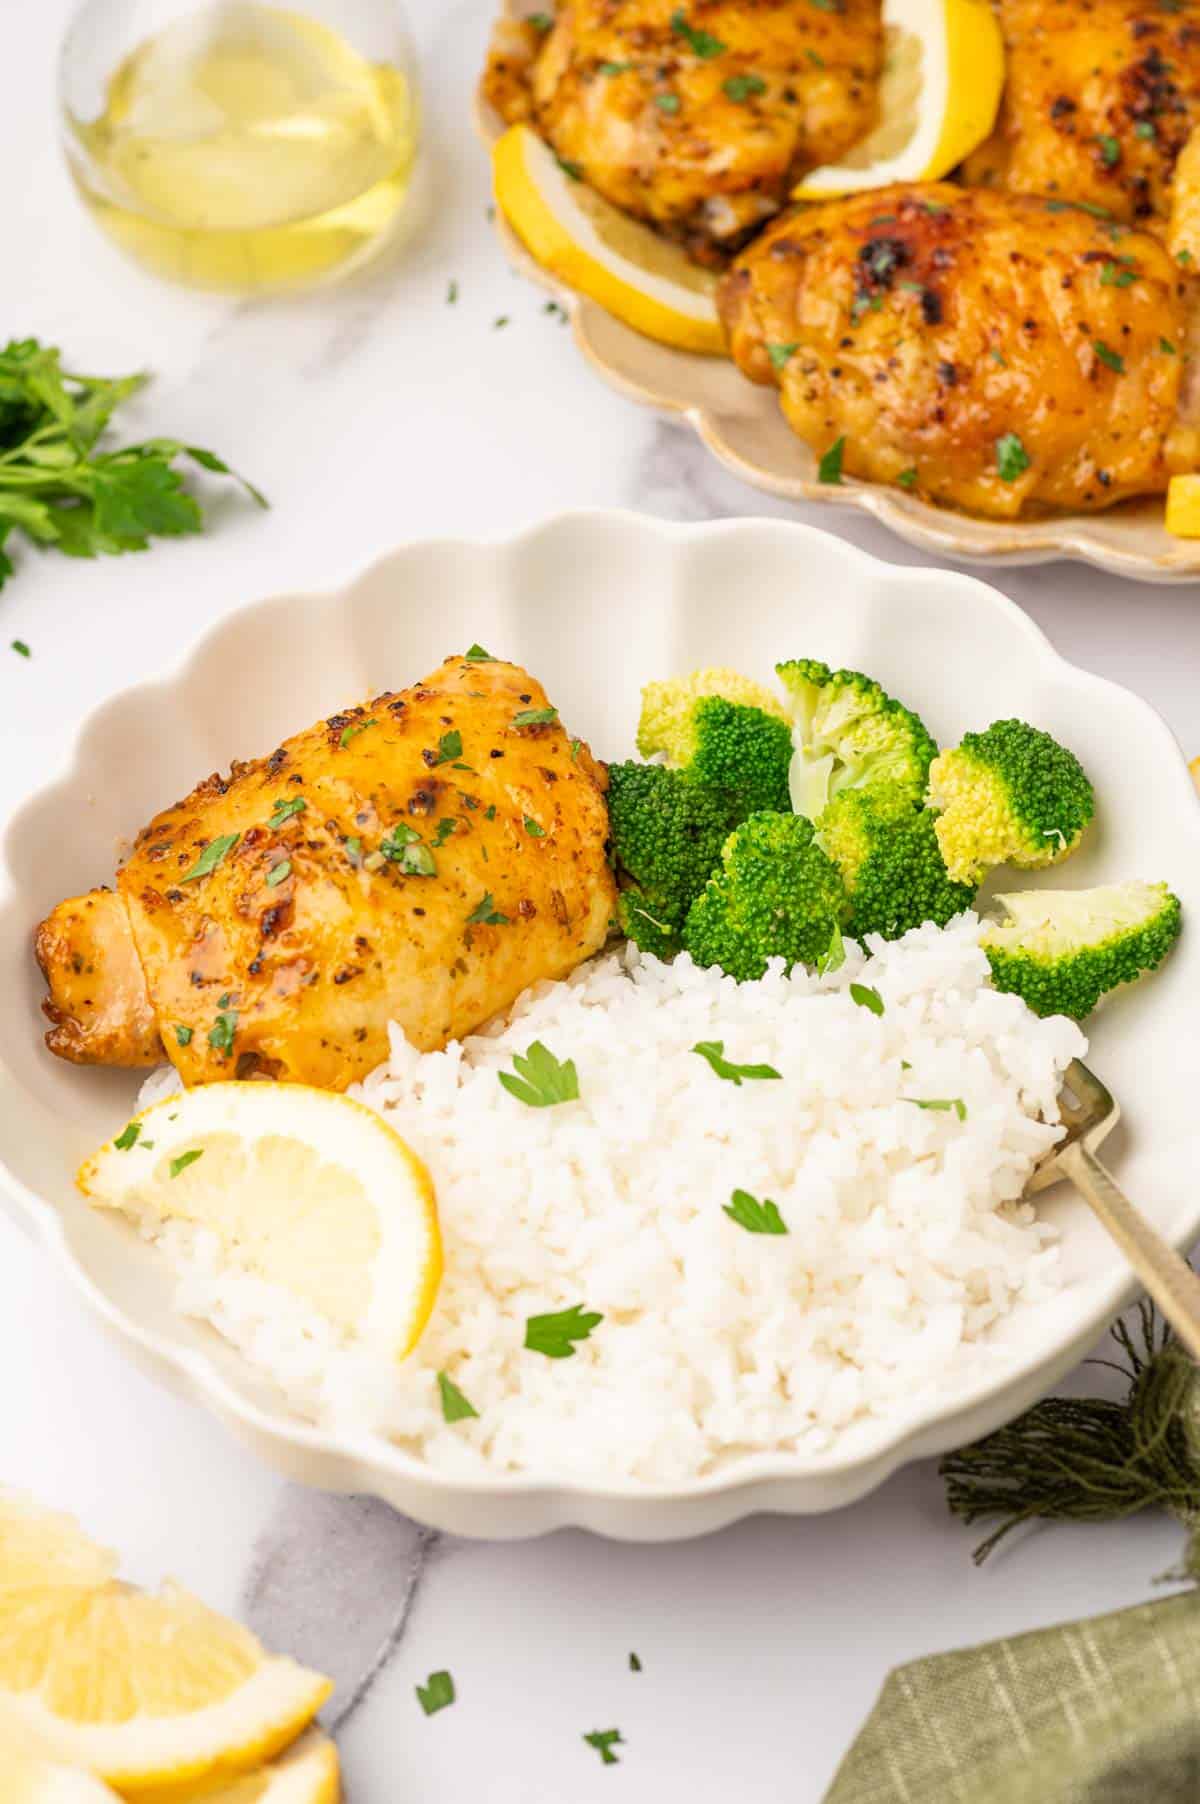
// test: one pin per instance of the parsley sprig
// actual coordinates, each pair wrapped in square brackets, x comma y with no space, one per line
[714,1052]
[755,1217]
[555,1333]
[60,489]
[541,1081]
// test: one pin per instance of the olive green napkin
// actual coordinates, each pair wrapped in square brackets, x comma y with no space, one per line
[1105,1711]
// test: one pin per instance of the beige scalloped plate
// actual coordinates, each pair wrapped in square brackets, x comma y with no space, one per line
[743,427]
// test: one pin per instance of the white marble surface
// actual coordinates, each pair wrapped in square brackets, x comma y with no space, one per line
[371,414]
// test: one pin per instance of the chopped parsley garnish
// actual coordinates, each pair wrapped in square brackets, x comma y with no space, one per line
[127,1136]
[827,6]
[436,1693]
[1145,128]
[635,1664]
[353,846]
[714,1052]
[477,655]
[183,1035]
[575,745]
[1165,345]
[278,872]
[1117,275]
[604,1740]
[210,858]
[451,293]
[541,21]
[866,997]
[499,323]
[954,1102]
[186,1159]
[486,914]
[532,828]
[1183,258]
[445,828]
[403,847]
[541,1080]
[553,1334]
[830,467]
[781,355]
[21,649]
[1110,149]
[702,42]
[667,103]
[1106,354]
[354,729]
[1011,457]
[908,478]
[285,809]
[614,68]
[817,61]
[534,717]
[755,1217]
[740,88]
[449,746]
[489,813]
[572,170]
[222,1031]
[834,955]
[455,1407]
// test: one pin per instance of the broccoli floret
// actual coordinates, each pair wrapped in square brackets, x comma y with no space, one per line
[849,734]
[886,849]
[1012,795]
[1061,950]
[776,895]
[723,729]
[667,835]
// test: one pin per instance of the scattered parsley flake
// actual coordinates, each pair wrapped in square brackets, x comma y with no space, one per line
[908,479]
[541,1080]
[1145,128]
[866,997]
[714,1052]
[449,746]
[1117,275]
[603,1740]
[702,42]
[830,467]
[500,321]
[834,955]
[667,103]
[436,1693]
[183,1035]
[534,717]
[575,745]
[781,355]
[1183,258]
[278,872]
[614,68]
[1112,359]
[21,649]
[541,21]
[954,1102]
[817,61]
[532,828]
[1110,149]
[1011,457]
[221,1033]
[1166,347]
[635,1664]
[755,1217]
[572,170]
[186,1159]
[554,1334]
[210,858]
[353,847]
[451,293]
[285,809]
[444,829]
[740,88]
[489,813]
[126,1138]
[486,914]
[477,655]
[354,729]
[455,1407]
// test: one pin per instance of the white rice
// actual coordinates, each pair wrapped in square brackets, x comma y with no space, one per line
[906,1242]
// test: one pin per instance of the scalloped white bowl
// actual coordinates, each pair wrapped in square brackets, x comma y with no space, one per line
[595,604]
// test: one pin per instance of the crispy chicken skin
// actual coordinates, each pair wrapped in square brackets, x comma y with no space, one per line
[1099,99]
[699,118]
[925,325]
[319,923]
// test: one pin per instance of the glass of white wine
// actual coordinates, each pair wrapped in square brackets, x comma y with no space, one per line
[240,145]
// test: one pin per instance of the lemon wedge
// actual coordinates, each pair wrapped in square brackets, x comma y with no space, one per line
[306,1774]
[943,75]
[586,242]
[305,1189]
[40,1547]
[1183,507]
[28,1779]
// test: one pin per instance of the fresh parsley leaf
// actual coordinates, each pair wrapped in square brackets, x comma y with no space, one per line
[222,1031]
[830,467]
[449,746]
[353,849]
[571,169]
[278,872]
[866,997]
[285,808]
[1117,275]
[534,717]
[1166,347]
[575,745]
[541,1080]
[1145,128]
[955,1102]
[499,323]
[455,1407]
[477,655]
[489,813]
[451,293]
[714,1052]
[1011,457]
[614,68]
[186,1159]
[21,649]
[1106,354]
[702,42]
[445,828]
[1183,258]
[211,856]
[908,479]
[667,103]
[1110,149]
[553,1334]
[755,1217]
[413,858]
[183,1035]
[532,828]
[604,1740]
[486,914]
[781,355]
[127,1137]
[635,1664]
[834,955]
[740,88]
[436,1693]
[354,729]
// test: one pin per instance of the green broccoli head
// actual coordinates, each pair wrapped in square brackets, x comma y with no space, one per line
[723,729]
[1061,950]
[850,734]
[776,895]
[886,849]
[667,835]
[1012,795]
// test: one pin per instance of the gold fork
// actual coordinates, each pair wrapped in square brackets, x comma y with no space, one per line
[1090,1113]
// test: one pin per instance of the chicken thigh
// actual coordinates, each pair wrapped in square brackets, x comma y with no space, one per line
[996,352]
[421,859]
[698,118]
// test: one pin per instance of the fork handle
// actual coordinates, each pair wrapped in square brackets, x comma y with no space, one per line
[1168,1278]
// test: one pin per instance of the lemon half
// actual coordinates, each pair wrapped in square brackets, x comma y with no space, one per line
[304,1188]
[943,76]
[586,242]
[1183,507]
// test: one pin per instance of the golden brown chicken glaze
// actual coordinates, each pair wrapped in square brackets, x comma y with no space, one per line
[996,352]
[422,859]
[1099,99]
[697,118]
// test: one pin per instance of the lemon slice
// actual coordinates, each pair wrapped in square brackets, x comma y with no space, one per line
[943,75]
[28,1779]
[615,260]
[304,1188]
[1183,507]
[306,1774]
[39,1547]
